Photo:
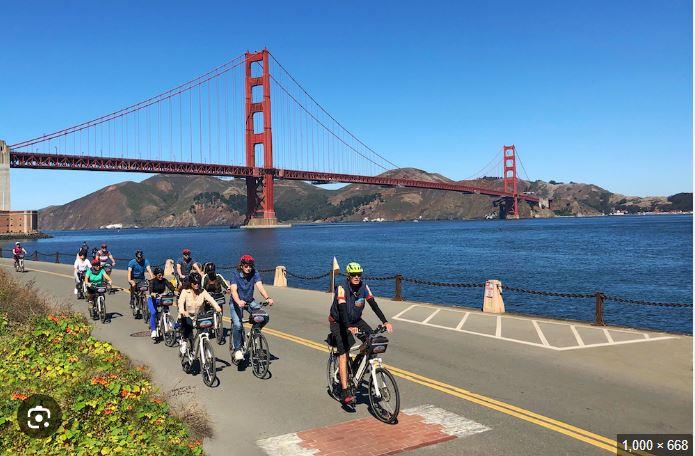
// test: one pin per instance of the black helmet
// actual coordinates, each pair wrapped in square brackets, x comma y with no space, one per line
[194,277]
[209,268]
[138,254]
[157,270]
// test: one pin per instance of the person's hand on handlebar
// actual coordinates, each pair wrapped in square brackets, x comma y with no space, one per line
[388,326]
[269,301]
[132,283]
[353,329]
[241,303]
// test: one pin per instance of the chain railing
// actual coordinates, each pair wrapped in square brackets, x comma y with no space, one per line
[599,297]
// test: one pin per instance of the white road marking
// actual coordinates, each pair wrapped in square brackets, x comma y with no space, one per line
[426,320]
[541,336]
[572,329]
[463,320]
[580,342]
[451,423]
[285,445]
[608,336]
[404,311]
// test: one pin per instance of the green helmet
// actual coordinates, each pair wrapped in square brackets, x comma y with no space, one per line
[353,268]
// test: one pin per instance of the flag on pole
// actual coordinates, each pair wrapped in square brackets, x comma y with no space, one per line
[334,270]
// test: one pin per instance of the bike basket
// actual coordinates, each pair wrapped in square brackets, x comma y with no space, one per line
[379,344]
[101,290]
[259,316]
[166,301]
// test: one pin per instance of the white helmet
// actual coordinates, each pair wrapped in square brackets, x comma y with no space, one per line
[16,243]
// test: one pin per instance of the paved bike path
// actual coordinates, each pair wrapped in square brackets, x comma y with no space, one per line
[514,390]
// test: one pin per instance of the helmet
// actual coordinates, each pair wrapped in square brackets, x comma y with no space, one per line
[157,270]
[138,254]
[96,262]
[353,268]
[247,259]
[194,277]
[16,243]
[103,246]
[186,251]
[209,268]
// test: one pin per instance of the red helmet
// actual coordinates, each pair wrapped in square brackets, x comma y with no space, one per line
[247,259]
[96,262]
[186,251]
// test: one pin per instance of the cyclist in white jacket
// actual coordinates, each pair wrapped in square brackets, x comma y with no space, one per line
[80,267]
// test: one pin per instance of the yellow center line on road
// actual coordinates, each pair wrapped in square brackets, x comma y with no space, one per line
[549,423]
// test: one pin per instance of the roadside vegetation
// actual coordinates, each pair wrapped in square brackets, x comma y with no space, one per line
[108,405]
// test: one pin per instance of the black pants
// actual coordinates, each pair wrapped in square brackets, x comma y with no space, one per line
[344,342]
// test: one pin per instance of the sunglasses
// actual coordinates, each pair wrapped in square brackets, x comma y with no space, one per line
[358,274]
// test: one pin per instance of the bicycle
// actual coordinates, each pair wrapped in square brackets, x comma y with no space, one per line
[381,385]
[218,327]
[254,344]
[98,309]
[19,263]
[139,304]
[202,349]
[165,325]
[78,285]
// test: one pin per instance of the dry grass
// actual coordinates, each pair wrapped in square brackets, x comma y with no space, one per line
[21,302]
[189,411]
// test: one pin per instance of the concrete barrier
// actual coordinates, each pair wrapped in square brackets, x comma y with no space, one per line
[492,297]
[280,277]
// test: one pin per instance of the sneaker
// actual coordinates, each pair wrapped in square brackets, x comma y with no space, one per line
[74,290]
[154,334]
[346,397]
[183,348]
[238,355]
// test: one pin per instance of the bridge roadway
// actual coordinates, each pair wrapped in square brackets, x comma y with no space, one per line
[526,399]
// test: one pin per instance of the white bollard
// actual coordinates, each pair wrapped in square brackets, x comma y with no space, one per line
[492,297]
[280,277]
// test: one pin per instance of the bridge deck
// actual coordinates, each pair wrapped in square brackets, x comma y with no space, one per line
[496,396]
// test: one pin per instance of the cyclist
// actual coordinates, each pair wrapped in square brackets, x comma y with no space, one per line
[158,287]
[243,281]
[84,250]
[94,276]
[80,268]
[136,273]
[191,300]
[104,256]
[346,319]
[17,251]
[214,283]
[185,266]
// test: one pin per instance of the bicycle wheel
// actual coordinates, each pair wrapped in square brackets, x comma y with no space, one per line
[260,355]
[332,380]
[167,329]
[387,405]
[102,308]
[208,368]
[145,311]
[219,331]
[134,306]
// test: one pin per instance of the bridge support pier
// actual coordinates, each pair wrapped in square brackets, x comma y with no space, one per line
[4,176]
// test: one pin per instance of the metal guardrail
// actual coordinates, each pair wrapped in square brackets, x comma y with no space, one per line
[599,297]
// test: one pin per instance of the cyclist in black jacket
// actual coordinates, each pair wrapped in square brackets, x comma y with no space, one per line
[346,319]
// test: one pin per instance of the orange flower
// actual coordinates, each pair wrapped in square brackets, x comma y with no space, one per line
[108,412]
[18,396]
[69,330]
[53,318]
[157,400]
[125,393]
[99,380]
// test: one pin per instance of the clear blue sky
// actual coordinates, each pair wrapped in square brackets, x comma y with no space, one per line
[591,91]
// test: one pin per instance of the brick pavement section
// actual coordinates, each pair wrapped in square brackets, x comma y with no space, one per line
[417,427]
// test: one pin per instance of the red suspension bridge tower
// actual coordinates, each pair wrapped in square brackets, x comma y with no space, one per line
[510,181]
[260,210]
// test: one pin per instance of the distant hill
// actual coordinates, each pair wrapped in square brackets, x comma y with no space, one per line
[175,200]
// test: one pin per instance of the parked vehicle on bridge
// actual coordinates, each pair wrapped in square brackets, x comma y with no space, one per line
[255,349]
[199,356]
[365,365]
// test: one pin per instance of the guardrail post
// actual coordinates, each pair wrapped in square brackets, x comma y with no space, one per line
[399,288]
[598,319]
[36,255]
[331,281]
[57,257]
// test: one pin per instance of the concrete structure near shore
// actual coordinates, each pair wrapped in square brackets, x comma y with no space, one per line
[12,222]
